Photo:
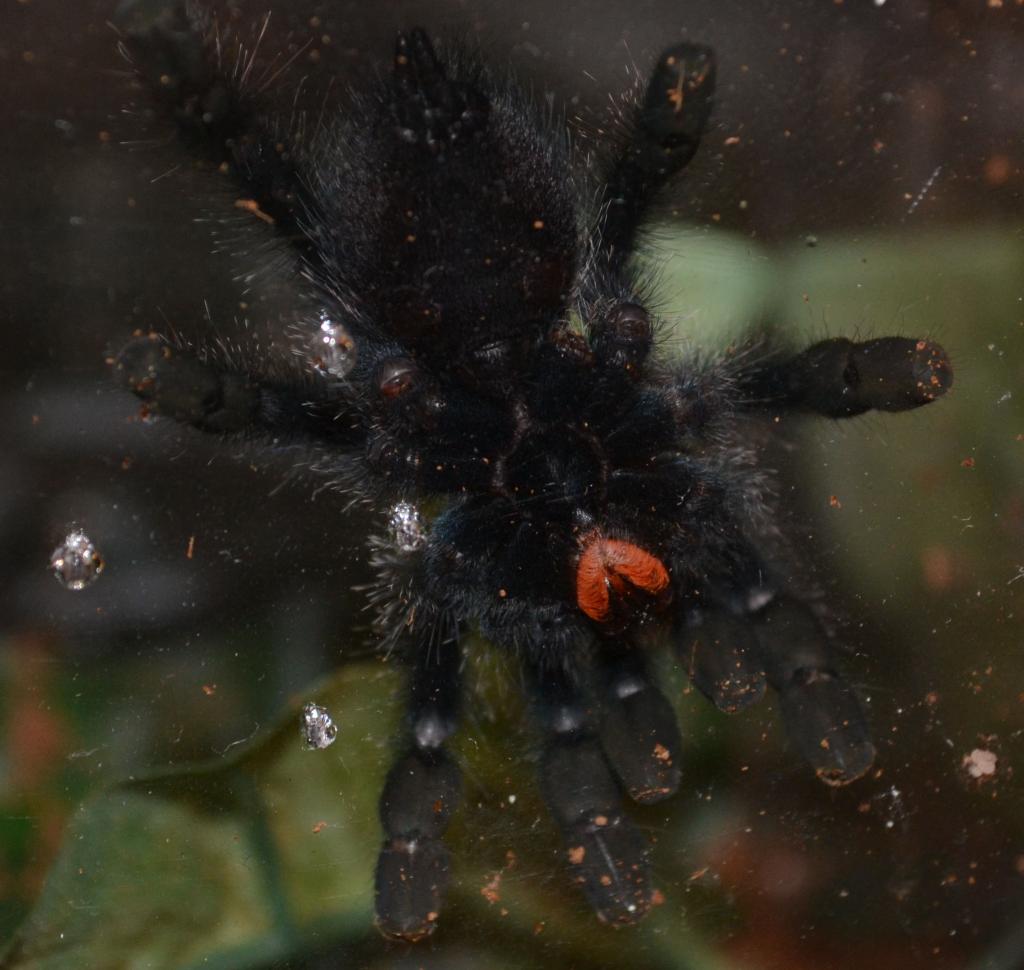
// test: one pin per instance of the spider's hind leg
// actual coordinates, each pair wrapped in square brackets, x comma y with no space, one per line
[721,652]
[634,744]
[419,796]
[822,713]
[608,857]
[734,645]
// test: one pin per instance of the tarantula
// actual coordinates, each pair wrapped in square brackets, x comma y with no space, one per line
[502,363]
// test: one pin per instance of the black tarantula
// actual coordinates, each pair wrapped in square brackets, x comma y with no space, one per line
[500,363]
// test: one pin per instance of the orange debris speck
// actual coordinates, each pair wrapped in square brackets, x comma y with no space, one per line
[937,568]
[491,890]
[997,170]
[252,206]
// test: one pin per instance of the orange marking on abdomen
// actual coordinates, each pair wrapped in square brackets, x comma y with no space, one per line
[609,566]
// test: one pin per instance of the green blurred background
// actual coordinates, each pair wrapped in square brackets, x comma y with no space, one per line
[156,808]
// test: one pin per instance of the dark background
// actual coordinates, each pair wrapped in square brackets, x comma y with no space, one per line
[900,121]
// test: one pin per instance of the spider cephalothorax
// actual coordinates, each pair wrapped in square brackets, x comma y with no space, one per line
[501,362]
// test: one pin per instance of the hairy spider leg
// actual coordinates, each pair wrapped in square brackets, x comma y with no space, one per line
[203,83]
[732,643]
[227,390]
[722,655]
[664,133]
[638,729]
[734,640]
[422,789]
[605,727]
[607,855]
[820,709]
[840,378]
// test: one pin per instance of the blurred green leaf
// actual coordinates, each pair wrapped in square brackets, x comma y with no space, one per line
[269,852]
[254,854]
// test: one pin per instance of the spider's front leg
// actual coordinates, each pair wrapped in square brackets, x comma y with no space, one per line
[732,649]
[665,132]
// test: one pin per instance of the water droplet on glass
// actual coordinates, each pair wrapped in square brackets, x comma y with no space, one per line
[332,349]
[318,728]
[76,562]
[406,527]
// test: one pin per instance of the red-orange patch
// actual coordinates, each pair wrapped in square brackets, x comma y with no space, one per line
[611,566]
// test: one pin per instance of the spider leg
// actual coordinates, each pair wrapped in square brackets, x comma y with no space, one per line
[608,857]
[665,133]
[420,794]
[722,654]
[203,84]
[430,108]
[820,709]
[840,378]
[746,633]
[215,390]
[638,729]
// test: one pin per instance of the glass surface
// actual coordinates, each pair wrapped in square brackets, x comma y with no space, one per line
[157,807]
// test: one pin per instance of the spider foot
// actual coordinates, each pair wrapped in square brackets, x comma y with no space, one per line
[840,378]
[608,861]
[723,659]
[412,878]
[824,718]
[640,737]
[677,104]
[413,871]
[176,383]
[168,49]
[820,709]
[666,133]
[607,855]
